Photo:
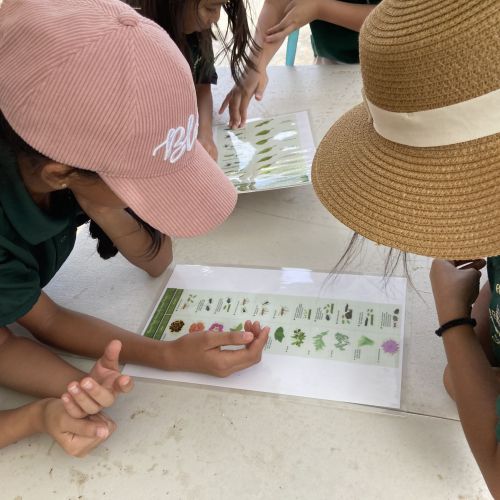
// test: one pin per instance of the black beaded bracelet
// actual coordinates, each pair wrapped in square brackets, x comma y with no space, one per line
[453,323]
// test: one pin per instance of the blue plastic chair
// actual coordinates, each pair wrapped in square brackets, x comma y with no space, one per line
[291,47]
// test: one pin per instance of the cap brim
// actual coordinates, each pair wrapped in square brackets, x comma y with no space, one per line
[439,202]
[183,204]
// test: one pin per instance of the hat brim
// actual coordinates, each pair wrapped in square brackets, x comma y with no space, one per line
[440,202]
[183,204]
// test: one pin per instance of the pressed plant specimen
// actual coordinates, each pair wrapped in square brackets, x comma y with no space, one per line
[176,326]
[342,341]
[319,342]
[390,347]
[365,341]
[298,337]
[279,334]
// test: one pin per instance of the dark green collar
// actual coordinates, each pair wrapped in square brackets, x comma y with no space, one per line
[30,222]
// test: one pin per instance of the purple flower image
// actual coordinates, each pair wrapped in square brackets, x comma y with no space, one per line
[216,327]
[390,347]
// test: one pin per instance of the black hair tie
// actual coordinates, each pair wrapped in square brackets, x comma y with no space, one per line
[455,322]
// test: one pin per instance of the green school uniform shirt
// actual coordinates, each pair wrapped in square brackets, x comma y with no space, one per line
[493,268]
[494,312]
[203,71]
[33,244]
[336,42]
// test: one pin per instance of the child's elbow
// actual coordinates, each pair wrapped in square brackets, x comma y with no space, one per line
[154,272]
[160,265]
[494,488]
[157,264]
[490,471]
[4,336]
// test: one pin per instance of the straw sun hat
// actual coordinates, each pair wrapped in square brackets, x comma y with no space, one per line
[417,165]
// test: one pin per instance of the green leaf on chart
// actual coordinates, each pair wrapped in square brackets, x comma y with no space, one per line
[261,124]
[237,328]
[342,341]
[298,337]
[263,132]
[265,151]
[279,334]
[319,343]
[262,141]
[266,158]
[246,186]
[364,341]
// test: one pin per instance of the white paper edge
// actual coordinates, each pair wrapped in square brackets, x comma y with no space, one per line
[235,285]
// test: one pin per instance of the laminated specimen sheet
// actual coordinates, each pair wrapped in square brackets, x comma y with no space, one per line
[268,153]
[332,337]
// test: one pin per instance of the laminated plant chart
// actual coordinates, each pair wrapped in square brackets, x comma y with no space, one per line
[269,153]
[338,339]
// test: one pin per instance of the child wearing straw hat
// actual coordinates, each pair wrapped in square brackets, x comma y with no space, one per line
[420,169]
[98,121]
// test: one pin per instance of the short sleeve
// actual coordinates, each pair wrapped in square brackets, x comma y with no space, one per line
[205,73]
[493,270]
[19,282]
[210,75]
[202,66]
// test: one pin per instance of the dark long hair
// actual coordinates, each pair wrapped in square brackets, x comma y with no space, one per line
[170,15]
[394,259]
[105,246]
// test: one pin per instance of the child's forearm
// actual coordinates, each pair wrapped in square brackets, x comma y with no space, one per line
[88,336]
[475,394]
[28,367]
[301,12]
[132,241]
[205,108]
[20,423]
[347,15]
[271,14]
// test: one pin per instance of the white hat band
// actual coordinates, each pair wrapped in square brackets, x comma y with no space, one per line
[465,121]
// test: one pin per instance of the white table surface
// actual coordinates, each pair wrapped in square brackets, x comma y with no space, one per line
[184,442]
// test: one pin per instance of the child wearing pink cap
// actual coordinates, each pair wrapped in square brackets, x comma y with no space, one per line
[98,122]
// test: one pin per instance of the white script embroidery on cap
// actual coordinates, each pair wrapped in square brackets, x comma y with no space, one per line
[179,140]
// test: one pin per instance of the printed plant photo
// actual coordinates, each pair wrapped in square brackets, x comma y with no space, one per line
[269,153]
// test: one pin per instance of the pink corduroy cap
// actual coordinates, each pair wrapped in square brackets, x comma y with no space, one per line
[94,85]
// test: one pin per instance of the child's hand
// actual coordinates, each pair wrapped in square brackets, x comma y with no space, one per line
[100,389]
[208,143]
[253,84]
[455,290]
[256,329]
[297,13]
[201,351]
[77,436]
